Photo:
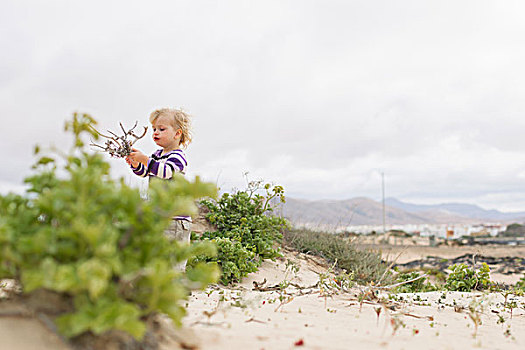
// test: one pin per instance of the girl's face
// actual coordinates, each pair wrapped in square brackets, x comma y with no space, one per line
[165,135]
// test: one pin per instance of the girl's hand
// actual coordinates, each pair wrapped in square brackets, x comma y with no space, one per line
[132,163]
[136,157]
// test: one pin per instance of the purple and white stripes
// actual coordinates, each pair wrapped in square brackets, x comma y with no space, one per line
[163,165]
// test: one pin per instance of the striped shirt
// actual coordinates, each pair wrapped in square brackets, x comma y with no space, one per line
[164,166]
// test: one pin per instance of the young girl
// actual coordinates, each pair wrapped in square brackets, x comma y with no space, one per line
[172,132]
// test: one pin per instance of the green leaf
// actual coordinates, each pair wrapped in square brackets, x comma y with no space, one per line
[94,274]
[77,231]
[45,160]
[204,274]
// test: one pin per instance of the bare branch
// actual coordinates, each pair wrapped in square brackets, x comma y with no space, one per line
[138,137]
[123,130]
[401,283]
[119,146]
[112,133]
[94,144]
[95,130]
[130,131]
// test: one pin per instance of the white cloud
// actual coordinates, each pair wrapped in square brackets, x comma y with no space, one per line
[318,96]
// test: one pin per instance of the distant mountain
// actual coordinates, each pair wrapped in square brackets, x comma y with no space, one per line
[365,211]
[462,209]
[357,211]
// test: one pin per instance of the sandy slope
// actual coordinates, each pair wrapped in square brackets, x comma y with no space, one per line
[338,322]
[243,318]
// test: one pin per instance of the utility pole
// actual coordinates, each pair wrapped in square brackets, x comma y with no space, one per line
[383,190]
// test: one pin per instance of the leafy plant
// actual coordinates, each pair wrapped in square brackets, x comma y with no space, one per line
[520,285]
[464,279]
[246,229]
[331,282]
[416,286]
[235,260]
[82,234]
[475,311]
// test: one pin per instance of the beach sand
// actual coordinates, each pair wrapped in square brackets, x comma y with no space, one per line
[408,253]
[242,317]
[250,319]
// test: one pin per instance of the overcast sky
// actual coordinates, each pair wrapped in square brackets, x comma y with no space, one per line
[318,96]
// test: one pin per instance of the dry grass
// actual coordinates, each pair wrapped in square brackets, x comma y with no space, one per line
[366,265]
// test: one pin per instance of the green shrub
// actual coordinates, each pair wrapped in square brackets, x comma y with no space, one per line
[234,259]
[247,231]
[80,233]
[415,286]
[366,266]
[520,285]
[465,279]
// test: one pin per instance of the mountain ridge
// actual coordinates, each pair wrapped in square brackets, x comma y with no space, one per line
[366,211]
[464,209]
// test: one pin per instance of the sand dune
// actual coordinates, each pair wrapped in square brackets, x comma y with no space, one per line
[306,315]
[248,319]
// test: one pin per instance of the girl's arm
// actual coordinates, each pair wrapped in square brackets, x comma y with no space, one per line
[138,162]
[174,164]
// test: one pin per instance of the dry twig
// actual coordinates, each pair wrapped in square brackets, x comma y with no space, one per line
[401,283]
[119,146]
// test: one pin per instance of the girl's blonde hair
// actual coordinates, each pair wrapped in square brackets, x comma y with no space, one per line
[178,119]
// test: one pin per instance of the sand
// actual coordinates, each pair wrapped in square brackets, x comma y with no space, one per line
[403,254]
[310,318]
[409,253]
[248,319]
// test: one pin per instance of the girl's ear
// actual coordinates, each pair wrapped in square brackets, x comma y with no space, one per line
[178,133]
